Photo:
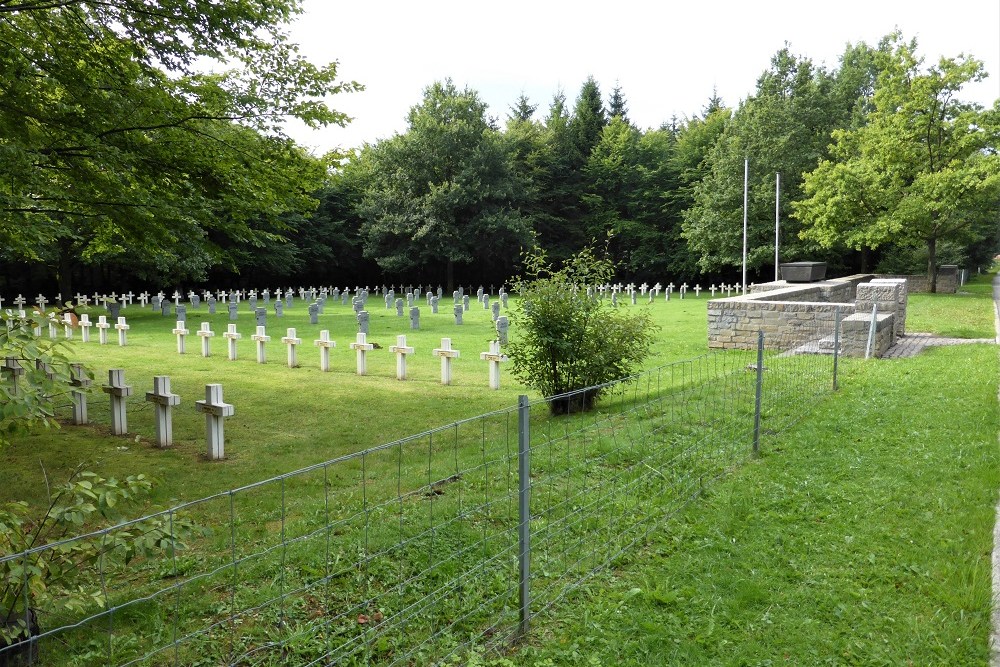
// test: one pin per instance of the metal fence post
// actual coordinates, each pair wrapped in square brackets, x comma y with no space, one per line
[760,385]
[836,346]
[523,511]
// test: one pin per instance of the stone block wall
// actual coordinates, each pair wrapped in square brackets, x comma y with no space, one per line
[733,323]
[947,280]
[792,314]
[856,328]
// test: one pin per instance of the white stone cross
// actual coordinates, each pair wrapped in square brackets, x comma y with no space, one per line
[102,324]
[118,391]
[643,288]
[19,302]
[68,325]
[122,328]
[85,325]
[291,340]
[495,358]
[215,412]
[176,297]
[362,347]
[324,344]
[80,383]
[400,350]
[180,331]
[163,400]
[206,334]
[80,299]
[41,301]
[231,337]
[684,289]
[144,299]
[697,291]
[260,338]
[127,298]
[446,354]
[713,289]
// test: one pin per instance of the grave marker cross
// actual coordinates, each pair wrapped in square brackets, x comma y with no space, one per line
[324,344]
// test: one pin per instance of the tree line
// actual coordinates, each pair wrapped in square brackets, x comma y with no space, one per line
[126,165]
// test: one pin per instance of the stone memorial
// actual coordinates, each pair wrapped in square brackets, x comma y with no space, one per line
[400,350]
[494,357]
[261,338]
[231,337]
[206,333]
[164,400]
[361,347]
[118,391]
[324,344]
[122,328]
[292,341]
[180,331]
[215,411]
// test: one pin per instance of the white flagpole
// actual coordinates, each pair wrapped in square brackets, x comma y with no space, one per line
[746,181]
[777,221]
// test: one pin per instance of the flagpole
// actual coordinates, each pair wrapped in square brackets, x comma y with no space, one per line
[746,181]
[777,221]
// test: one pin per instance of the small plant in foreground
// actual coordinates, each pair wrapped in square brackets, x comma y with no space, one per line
[38,373]
[569,338]
[33,578]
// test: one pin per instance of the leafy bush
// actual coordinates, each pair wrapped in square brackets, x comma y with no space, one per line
[568,338]
[34,577]
[35,372]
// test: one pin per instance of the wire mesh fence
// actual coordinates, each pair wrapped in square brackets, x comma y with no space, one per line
[425,548]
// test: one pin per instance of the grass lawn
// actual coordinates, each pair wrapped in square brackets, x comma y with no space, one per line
[285,418]
[862,535]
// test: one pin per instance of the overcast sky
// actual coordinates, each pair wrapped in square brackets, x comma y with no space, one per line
[666,56]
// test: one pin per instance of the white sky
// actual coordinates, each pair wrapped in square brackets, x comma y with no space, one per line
[667,56]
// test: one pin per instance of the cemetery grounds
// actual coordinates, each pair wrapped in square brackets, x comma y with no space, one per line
[862,534]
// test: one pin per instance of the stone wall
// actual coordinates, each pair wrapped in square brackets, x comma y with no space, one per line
[947,280]
[791,314]
[733,323]
[856,328]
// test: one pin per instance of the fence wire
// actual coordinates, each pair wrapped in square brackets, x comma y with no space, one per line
[417,550]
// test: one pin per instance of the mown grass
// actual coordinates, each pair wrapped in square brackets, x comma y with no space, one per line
[863,535]
[285,418]
[869,520]
[966,314]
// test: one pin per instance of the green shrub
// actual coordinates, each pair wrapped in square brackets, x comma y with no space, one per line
[568,338]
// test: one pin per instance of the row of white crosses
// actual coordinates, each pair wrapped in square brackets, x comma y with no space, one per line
[164,400]
[361,347]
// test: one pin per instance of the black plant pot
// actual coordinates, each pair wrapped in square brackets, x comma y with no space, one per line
[582,401]
[21,652]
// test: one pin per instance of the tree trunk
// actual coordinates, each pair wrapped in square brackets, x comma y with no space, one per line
[866,259]
[450,275]
[932,264]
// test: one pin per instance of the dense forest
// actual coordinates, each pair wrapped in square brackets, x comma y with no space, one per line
[125,167]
